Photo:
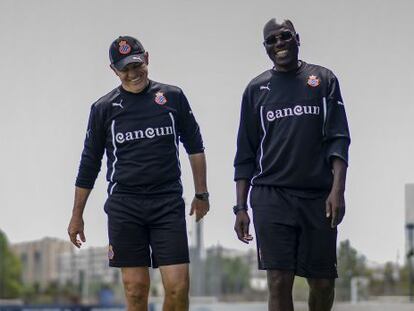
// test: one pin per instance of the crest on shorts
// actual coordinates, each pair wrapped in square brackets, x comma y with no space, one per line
[111,253]
[124,47]
[313,81]
[160,99]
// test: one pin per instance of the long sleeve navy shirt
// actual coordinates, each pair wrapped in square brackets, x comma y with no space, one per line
[140,134]
[291,125]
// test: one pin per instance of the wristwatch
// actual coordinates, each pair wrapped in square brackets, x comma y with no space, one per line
[238,208]
[202,196]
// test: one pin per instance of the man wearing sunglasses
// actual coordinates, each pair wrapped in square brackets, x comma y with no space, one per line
[139,124]
[292,154]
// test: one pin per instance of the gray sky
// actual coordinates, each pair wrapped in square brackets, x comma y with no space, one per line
[54,65]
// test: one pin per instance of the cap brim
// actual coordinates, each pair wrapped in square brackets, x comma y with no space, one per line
[133,58]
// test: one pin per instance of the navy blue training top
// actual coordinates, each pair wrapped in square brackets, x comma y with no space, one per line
[140,134]
[291,125]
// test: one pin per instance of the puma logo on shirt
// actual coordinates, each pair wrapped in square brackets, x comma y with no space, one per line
[118,104]
[265,87]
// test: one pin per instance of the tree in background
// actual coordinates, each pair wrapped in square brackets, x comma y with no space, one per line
[10,271]
[236,276]
[404,284]
[226,275]
[350,264]
[390,279]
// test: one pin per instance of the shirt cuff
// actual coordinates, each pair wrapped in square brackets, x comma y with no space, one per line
[338,148]
[244,171]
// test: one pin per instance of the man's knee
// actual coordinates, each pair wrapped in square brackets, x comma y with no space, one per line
[178,290]
[136,291]
[279,281]
[322,286]
[175,279]
[136,284]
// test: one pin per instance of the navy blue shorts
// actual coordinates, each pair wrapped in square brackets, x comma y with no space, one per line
[146,230]
[293,233]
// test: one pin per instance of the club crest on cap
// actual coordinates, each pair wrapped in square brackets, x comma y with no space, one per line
[313,81]
[124,47]
[160,99]
[111,253]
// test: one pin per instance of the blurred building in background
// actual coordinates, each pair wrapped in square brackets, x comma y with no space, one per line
[88,270]
[40,259]
[53,263]
[87,265]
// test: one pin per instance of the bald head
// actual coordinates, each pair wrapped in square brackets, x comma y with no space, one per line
[282,44]
[272,26]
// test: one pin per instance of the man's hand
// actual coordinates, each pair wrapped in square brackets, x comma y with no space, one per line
[241,226]
[200,208]
[75,230]
[335,207]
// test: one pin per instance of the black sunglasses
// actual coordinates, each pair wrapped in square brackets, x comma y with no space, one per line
[283,36]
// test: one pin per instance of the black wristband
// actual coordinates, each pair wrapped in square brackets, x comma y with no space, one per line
[238,208]
[202,196]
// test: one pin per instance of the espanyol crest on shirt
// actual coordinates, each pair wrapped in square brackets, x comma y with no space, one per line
[124,47]
[313,81]
[160,99]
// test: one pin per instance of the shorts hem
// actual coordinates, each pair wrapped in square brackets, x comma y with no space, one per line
[316,275]
[170,262]
[284,268]
[125,264]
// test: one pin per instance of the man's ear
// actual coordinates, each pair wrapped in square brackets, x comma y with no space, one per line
[297,39]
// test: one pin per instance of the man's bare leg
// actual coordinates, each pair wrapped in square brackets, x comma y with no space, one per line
[175,279]
[321,294]
[136,286]
[280,285]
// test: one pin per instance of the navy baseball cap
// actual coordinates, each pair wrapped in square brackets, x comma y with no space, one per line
[126,50]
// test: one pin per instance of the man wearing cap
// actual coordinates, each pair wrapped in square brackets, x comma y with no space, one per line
[139,125]
[292,154]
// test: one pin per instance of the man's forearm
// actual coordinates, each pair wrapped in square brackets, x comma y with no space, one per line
[339,170]
[199,169]
[242,190]
[81,197]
